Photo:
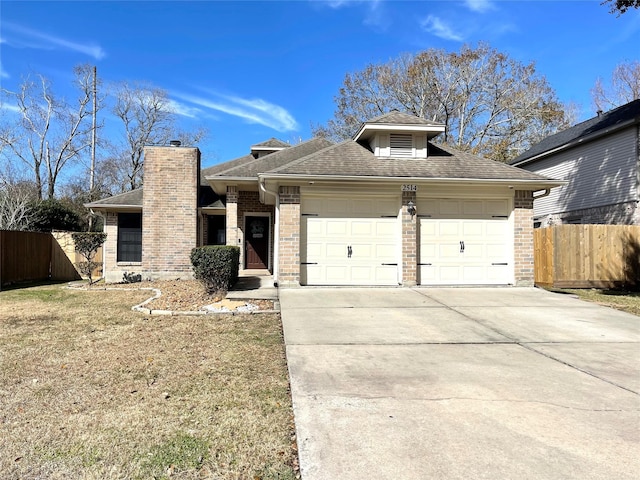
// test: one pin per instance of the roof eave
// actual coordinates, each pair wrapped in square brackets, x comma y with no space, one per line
[524,183]
[578,141]
[375,127]
[111,206]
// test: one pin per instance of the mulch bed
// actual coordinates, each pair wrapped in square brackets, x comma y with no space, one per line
[180,295]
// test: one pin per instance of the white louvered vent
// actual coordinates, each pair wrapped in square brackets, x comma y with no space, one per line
[401,145]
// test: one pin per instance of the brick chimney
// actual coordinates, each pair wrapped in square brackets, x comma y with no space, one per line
[169,211]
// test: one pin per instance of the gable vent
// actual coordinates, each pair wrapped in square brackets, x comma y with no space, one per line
[401,145]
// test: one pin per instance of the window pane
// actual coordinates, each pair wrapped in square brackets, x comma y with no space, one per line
[129,237]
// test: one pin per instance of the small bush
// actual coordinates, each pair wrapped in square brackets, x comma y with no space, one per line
[216,266]
[87,244]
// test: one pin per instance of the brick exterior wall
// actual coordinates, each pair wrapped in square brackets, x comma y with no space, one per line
[232,217]
[289,246]
[410,244]
[170,211]
[523,238]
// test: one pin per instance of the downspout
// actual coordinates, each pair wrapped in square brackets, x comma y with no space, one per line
[276,233]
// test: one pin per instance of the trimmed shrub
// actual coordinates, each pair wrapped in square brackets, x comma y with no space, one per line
[87,244]
[216,266]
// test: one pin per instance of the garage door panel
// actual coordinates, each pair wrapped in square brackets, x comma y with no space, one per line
[448,228]
[362,228]
[472,229]
[335,250]
[342,222]
[448,251]
[483,226]
[336,227]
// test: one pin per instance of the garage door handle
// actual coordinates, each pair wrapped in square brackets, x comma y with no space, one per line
[387,264]
[505,263]
[427,264]
[461,247]
[349,251]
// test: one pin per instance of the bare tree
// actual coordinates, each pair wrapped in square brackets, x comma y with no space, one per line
[623,88]
[621,6]
[16,202]
[148,118]
[491,104]
[50,133]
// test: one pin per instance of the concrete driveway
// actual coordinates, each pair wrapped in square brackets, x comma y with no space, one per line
[460,383]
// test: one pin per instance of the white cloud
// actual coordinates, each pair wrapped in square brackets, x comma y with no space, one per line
[439,28]
[3,72]
[43,41]
[253,110]
[9,107]
[374,15]
[479,5]
[184,110]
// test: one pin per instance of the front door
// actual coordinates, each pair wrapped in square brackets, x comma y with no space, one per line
[257,242]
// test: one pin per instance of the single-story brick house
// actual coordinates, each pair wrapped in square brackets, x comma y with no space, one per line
[388,207]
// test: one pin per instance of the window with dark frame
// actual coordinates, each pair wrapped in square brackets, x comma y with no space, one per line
[216,230]
[129,237]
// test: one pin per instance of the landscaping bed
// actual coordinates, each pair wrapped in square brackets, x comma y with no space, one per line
[186,296]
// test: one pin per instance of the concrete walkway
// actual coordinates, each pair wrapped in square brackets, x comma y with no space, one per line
[502,383]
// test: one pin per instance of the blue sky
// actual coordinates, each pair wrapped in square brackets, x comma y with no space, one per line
[249,71]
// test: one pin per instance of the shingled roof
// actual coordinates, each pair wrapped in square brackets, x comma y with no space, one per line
[274,160]
[395,117]
[611,121]
[127,199]
[271,143]
[350,159]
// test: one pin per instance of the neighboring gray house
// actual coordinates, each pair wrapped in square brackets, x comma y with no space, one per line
[600,160]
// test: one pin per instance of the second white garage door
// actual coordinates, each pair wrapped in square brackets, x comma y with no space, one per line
[349,241]
[465,242]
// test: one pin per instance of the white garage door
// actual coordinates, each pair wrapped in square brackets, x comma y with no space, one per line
[465,242]
[350,241]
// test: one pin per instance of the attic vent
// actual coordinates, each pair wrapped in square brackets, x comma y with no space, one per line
[401,145]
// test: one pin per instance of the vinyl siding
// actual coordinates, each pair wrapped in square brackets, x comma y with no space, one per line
[602,172]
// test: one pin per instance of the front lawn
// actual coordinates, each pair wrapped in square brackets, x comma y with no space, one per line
[90,389]
[620,300]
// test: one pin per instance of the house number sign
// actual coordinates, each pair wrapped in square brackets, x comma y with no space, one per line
[409,188]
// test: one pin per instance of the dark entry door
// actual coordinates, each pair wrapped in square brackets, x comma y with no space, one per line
[257,242]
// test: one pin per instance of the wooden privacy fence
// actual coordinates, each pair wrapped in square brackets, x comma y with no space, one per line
[585,256]
[33,256]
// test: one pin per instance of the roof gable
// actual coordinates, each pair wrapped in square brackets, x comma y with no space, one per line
[398,122]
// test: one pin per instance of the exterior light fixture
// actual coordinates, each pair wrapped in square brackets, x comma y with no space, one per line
[411,208]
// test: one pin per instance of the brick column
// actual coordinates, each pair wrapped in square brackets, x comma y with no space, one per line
[409,242]
[289,245]
[523,238]
[232,217]
[170,211]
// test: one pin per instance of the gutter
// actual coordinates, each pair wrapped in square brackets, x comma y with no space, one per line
[546,183]
[276,227]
